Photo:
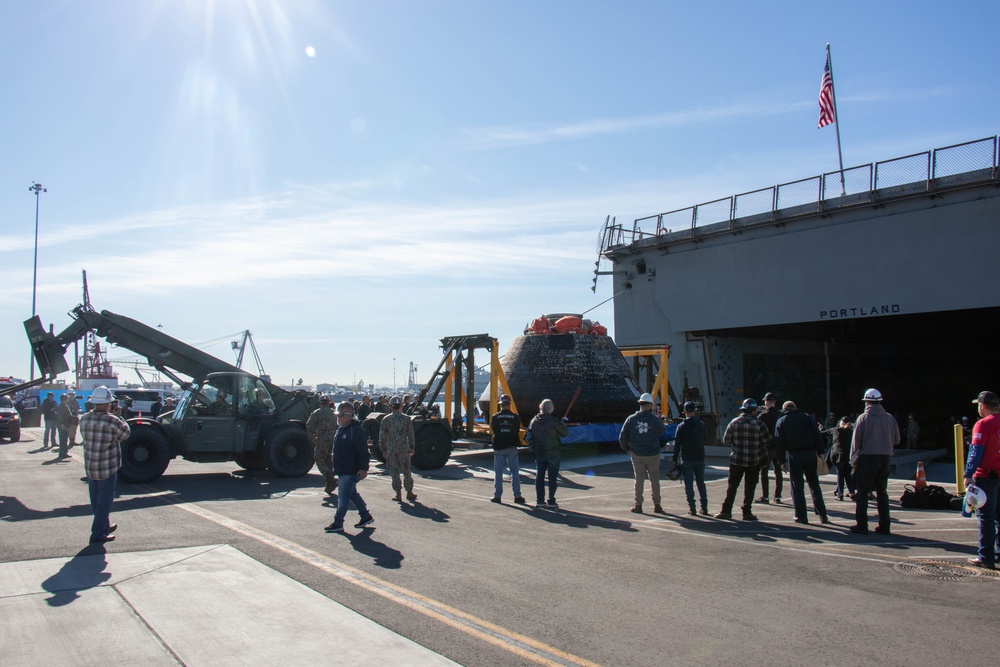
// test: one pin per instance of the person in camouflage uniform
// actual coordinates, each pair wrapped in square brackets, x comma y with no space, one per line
[321,428]
[395,439]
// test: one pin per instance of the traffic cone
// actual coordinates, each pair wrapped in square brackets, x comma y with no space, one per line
[921,482]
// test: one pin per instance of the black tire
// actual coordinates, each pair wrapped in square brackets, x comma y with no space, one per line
[145,456]
[432,449]
[251,460]
[15,436]
[288,452]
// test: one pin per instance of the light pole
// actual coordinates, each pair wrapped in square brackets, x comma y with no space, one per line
[394,375]
[37,189]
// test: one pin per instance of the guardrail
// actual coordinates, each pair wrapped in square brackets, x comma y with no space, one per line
[950,167]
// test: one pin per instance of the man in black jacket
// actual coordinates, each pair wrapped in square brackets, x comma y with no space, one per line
[689,448]
[49,406]
[506,428]
[798,438]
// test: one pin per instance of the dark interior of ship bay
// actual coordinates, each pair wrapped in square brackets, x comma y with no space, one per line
[930,364]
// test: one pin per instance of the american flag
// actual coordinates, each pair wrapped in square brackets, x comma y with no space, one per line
[827,111]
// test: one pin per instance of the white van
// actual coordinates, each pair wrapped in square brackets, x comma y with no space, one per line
[142,400]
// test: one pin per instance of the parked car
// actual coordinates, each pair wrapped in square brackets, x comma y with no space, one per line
[10,420]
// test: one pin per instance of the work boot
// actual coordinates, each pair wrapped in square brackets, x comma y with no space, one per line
[747,516]
[397,498]
[411,496]
[331,485]
[520,500]
[636,509]
[694,512]
[763,499]
[728,516]
[658,509]
[704,510]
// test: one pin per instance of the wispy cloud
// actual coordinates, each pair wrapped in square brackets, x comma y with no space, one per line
[257,244]
[508,136]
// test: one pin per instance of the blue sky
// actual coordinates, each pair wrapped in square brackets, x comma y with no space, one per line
[353,181]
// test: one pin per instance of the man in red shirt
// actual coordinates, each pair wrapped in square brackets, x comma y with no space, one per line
[983,470]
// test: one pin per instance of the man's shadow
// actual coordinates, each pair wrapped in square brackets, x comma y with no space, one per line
[383,555]
[421,511]
[83,571]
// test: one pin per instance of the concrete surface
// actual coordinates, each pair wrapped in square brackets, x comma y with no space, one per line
[209,605]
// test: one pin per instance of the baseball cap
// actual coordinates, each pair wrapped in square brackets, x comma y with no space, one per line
[690,406]
[987,398]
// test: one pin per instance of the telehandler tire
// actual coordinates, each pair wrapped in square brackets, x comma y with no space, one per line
[145,456]
[288,452]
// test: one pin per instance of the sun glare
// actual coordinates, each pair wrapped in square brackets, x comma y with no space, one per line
[311,51]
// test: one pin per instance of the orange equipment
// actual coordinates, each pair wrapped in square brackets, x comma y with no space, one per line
[921,482]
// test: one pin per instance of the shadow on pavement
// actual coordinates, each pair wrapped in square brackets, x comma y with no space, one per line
[84,570]
[573,519]
[381,554]
[421,511]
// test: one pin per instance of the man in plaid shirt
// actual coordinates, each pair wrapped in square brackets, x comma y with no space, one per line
[749,438]
[102,457]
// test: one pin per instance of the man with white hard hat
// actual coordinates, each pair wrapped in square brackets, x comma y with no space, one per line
[102,457]
[640,437]
[983,470]
[876,435]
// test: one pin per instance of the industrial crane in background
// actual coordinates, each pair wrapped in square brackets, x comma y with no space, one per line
[240,347]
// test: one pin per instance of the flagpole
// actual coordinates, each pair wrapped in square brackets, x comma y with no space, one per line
[836,120]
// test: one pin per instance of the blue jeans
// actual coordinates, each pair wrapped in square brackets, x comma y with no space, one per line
[63,441]
[845,478]
[803,463]
[692,472]
[51,433]
[347,492]
[551,466]
[102,495]
[988,520]
[506,459]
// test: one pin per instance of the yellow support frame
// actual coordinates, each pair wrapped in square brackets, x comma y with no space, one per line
[661,385]
[498,381]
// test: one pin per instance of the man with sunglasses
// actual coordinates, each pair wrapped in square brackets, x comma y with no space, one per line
[350,465]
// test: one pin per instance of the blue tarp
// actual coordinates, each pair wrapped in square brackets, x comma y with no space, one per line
[583,433]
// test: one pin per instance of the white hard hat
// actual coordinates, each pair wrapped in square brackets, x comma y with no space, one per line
[101,396]
[646,398]
[974,497]
[873,395]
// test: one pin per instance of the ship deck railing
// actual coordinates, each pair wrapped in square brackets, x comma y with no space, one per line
[932,172]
